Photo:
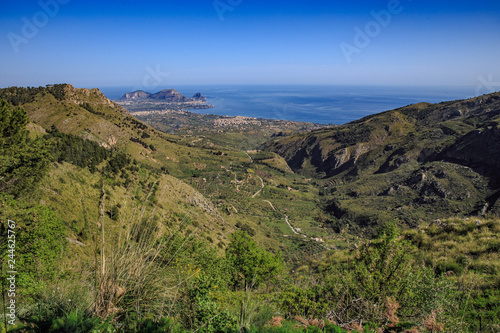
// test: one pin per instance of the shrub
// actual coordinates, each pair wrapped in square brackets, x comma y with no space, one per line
[40,242]
[448,266]
[251,264]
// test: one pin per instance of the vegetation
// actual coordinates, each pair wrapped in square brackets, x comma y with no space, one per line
[251,264]
[23,162]
[18,95]
[113,236]
[419,162]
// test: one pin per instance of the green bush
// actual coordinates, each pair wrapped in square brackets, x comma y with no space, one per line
[448,266]
[40,241]
[201,312]
[251,264]
[381,274]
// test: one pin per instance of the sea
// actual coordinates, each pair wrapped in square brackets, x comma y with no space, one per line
[309,103]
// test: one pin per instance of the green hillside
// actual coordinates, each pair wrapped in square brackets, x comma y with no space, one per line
[120,227]
[416,163]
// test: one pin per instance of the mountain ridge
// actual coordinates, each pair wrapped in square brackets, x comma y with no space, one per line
[411,163]
[422,158]
[92,212]
[166,95]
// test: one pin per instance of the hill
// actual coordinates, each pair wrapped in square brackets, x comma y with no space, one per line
[245,133]
[122,228]
[416,162]
[248,190]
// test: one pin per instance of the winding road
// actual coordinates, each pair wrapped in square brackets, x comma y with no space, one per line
[262,182]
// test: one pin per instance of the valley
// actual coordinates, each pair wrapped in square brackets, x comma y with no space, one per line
[310,222]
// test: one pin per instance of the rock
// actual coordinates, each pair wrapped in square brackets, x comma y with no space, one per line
[170,95]
[139,94]
[420,178]
[484,209]
[390,191]
[439,223]
[199,97]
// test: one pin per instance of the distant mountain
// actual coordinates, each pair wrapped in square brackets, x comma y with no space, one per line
[166,95]
[139,94]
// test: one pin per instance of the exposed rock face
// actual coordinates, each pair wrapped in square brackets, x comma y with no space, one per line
[139,94]
[424,158]
[478,149]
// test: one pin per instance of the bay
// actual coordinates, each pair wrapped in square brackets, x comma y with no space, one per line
[318,104]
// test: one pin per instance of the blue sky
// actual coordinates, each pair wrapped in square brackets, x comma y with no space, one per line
[168,43]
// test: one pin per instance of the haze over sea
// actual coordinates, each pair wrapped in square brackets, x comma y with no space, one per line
[317,104]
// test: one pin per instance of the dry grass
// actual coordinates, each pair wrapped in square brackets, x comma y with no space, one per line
[133,277]
[390,313]
[431,323]
[130,279]
[275,321]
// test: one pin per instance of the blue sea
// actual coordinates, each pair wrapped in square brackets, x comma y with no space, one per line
[317,104]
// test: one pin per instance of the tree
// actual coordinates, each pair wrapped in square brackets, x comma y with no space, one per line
[23,162]
[251,264]
[382,264]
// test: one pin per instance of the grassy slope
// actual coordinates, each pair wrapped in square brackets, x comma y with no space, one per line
[216,188]
[378,175]
[213,194]
[75,194]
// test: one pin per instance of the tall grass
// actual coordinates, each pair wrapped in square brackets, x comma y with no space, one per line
[130,280]
[135,279]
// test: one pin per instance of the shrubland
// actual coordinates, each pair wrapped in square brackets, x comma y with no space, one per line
[110,241]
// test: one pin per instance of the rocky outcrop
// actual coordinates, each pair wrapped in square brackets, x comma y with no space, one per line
[136,95]
[199,97]
[170,95]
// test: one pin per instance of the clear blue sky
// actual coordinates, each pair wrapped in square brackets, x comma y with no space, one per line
[121,43]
